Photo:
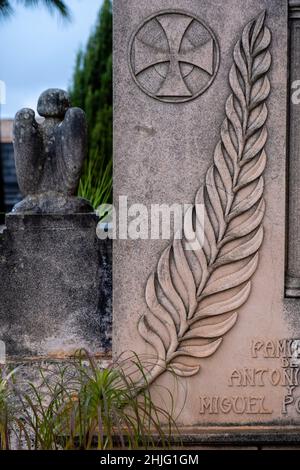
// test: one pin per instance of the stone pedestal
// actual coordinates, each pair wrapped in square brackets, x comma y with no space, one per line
[54,289]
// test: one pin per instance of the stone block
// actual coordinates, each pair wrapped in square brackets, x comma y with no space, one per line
[55,286]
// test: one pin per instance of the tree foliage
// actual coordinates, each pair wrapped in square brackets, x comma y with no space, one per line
[91,90]
[6,6]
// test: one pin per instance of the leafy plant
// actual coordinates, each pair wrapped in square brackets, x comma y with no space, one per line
[43,409]
[7,9]
[96,182]
[84,406]
[5,408]
[110,411]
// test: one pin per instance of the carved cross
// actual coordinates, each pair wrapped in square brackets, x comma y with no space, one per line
[174,27]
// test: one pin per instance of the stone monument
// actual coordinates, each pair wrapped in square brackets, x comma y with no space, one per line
[54,278]
[200,119]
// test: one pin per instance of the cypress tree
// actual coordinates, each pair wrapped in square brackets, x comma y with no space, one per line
[91,90]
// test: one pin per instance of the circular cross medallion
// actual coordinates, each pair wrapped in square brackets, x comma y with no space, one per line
[174,56]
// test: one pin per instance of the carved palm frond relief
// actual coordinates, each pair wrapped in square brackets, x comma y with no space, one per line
[193,297]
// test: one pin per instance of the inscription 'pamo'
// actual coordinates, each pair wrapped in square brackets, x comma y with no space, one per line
[193,296]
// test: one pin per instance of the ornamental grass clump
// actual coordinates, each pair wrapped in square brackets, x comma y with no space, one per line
[6,407]
[84,406]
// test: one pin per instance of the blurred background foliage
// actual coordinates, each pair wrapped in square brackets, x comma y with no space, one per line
[7,6]
[91,90]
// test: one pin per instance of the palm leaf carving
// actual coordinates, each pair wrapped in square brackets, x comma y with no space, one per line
[194,295]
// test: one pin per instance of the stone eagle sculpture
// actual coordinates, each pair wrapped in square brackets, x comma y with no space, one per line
[49,155]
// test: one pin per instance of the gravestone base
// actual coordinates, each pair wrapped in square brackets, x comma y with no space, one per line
[241,437]
[54,292]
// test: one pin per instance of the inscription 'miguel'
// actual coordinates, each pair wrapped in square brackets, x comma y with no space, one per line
[174,56]
[249,405]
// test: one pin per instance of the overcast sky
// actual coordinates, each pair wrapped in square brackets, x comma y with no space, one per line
[38,51]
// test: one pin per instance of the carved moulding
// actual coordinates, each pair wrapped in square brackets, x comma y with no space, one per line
[193,297]
[294,9]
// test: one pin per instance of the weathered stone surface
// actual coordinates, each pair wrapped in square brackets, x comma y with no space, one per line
[49,155]
[247,343]
[293,196]
[53,103]
[51,202]
[54,285]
